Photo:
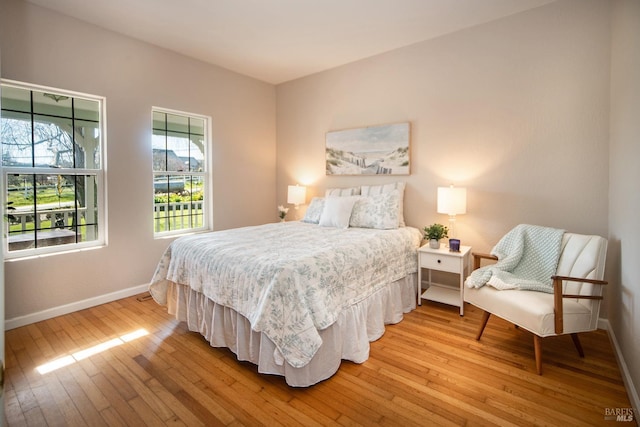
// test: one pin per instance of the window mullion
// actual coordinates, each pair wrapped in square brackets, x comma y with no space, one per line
[33,131]
[73,131]
[76,213]
[35,210]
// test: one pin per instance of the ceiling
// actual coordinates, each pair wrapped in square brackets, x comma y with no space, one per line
[281,40]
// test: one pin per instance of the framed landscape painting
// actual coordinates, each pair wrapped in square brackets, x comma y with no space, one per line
[373,150]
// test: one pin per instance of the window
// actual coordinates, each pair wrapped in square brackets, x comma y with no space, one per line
[180,180]
[52,169]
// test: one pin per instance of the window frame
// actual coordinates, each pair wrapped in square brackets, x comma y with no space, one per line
[206,174]
[100,175]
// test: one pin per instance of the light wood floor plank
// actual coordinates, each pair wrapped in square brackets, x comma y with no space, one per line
[453,381]
[119,408]
[13,412]
[426,370]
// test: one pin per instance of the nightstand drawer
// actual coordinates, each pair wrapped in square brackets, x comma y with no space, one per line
[440,262]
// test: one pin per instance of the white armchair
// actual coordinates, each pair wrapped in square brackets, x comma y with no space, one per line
[573,307]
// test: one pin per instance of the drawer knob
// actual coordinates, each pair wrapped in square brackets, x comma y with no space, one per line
[439,261]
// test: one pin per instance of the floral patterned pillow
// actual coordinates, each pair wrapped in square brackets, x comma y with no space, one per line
[378,211]
[314,210]
[372,190]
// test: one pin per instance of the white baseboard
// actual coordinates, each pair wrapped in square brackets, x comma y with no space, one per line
[603,324]
[626,376]
[49,313]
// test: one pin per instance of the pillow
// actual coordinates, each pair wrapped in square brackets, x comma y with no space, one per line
[379,211]
[312,215]
[337,211]
[372,190]
[342,192]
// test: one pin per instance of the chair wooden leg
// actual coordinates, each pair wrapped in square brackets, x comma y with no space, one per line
[537,347]
[576,342]
[483,323]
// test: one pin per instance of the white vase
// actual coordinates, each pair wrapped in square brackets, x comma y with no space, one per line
[434,244]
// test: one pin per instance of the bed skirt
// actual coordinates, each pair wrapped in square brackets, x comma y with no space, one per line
[348,338]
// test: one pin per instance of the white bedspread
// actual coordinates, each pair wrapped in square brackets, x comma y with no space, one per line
[288,279]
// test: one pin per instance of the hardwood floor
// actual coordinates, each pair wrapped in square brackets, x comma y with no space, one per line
[426,370]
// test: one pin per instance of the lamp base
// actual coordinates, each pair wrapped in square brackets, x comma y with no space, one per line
[452,226]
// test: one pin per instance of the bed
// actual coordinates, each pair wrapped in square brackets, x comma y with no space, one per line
[294,298]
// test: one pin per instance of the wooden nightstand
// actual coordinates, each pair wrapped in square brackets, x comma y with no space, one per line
[443,260]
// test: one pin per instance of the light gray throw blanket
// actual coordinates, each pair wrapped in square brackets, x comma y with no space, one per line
[527,258]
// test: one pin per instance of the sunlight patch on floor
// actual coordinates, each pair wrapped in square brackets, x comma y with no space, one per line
[88,352]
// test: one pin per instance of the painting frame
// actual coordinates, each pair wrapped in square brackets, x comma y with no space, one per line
[372,150]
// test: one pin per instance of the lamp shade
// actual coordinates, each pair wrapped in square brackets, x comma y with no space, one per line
[452,200]
[296,194]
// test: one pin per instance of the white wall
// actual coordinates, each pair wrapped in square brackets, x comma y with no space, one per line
[42,47]
[624,195]
[516,110]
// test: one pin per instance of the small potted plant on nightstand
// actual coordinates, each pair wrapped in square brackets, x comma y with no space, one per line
[282,212]
[434,233]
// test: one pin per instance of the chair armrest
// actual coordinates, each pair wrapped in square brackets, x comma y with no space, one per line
[478,256]
[558,296]
[579,279]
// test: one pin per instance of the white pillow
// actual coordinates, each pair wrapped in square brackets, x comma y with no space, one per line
[379,211]
[372,190]
[342,192]
[337,211]
[312,215]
